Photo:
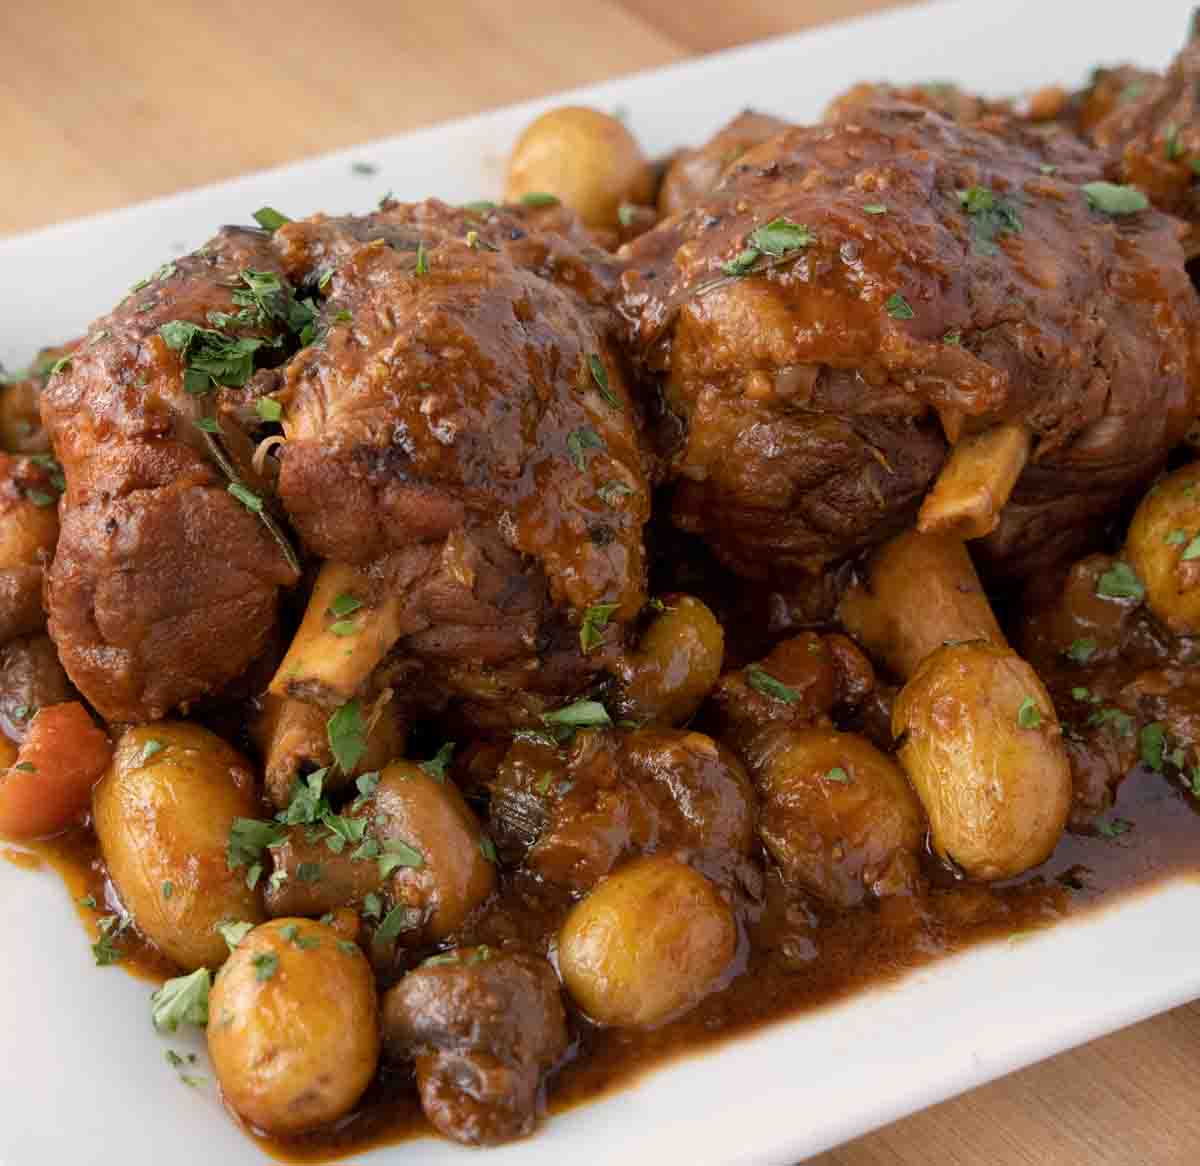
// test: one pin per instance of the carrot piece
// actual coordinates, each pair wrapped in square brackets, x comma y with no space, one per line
[50,784]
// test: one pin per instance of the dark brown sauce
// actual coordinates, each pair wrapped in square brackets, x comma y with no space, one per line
[798,960]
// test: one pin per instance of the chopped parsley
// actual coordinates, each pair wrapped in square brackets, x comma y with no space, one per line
[1120,582]
[600,376]
[398,919]
[269,218]
[595,620]
[233,932]
[266,963]
[839,775]
[898,307]
[610,491]
[875,208]
[1175,538]
[422,265]
[344,604]
[182,1000]
[1114,828]
[363,169]
[248,838]
[582,714]
[1173,147]
[105,950]
[247,497]
[991,217]
[347,732]
[579,441]
[437,765]
[343,831]
[168,889]
[305,801]
[344,627]
[539,198]
[309,872]
[1192,550]
[210,357]
[1151,742]
[149,749]
[372,905]
[487,848]
[1082,649]
[1029,716]
[626,214]
[397,854]
[268,409]
[762,681]
[442,959]
[778,239]
[1111,199]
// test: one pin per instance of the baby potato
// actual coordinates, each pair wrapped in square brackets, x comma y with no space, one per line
[1163,547]
[839,817]
[293,1026]
[676,665]
[648,943]
[449,874]
[983,748]
[163,812]
[584,157]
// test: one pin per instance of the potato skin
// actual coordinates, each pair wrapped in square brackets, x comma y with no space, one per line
[167,820]
[1163,527]
[996,793]
[430,815]
[586,158]
[844,836]
[647,944]
[293,1047]
[676,665]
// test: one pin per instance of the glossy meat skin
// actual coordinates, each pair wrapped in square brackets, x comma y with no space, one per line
[573,818]
[452,415]
[483,1026]
[28,533]
[815,415]
[164,585]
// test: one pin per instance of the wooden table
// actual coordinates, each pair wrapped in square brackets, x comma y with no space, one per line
[107,104]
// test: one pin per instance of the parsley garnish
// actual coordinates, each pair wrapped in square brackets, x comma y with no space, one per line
[150,748]
[182,1000]
[342,830]
[626,214]
[991,217]
[839,775]
[1120,582]
[398,919]
[898,307]
[104,950]
[309,872]
[210,357]
[265,965]
[363,169]
[1151,741]
[344,604]
[347,736]
[372,905]
[422,267]
[305,803]
[610,491]
[270,219]
[168,889]
[442,959]
[247,497]
[1173,147]
[579,441]
[1082,650]
[539,198]
[1111,199]
[875,208]
[487,848]
[344,627]
[234,932]
[595,619]
[600,376]
[778,239]
[437,765]
[1192,550]
[762,681]
[268,409]
[580,715]
[397,854]
[1029,716]
[248,838]
[1113,829]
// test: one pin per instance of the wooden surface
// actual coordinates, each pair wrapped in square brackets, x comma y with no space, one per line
[101,105]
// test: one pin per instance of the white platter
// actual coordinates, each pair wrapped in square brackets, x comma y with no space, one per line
[83,1077]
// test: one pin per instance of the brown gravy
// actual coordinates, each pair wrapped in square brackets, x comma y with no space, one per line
[797,960]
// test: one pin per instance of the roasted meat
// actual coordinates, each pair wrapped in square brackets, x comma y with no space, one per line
[463,436]
[853,297]
[164,584]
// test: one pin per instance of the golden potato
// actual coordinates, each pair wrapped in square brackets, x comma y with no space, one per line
[648,943]
[676,664]
[983,747]
[163,812]
[293,1026]
[839,816]
[449,874]
[1163,548]
[584,157]
[921,590]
